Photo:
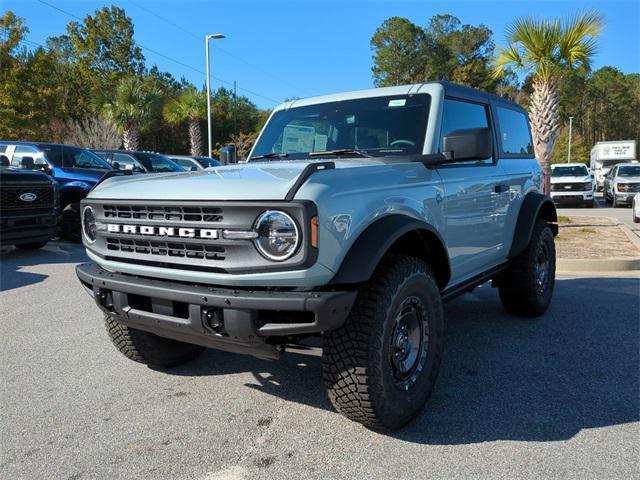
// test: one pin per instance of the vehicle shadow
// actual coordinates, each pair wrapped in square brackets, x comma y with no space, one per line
[502,378]
[13,262]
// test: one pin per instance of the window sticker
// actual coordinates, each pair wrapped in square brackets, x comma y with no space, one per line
[298,138]
[320,143]
[400,102]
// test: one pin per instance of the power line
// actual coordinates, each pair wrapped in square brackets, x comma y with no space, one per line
[220,49]
[178,62]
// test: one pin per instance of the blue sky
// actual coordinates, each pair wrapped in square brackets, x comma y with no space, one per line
[280,49]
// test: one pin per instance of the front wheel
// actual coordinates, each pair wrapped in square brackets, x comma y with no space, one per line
[380,367]
[69,225]
[526,287]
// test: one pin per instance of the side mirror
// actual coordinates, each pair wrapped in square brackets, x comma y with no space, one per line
[46,169]
[27,162]
[193,169]
[468,144]
[228,155]
[115,165]
[4,161]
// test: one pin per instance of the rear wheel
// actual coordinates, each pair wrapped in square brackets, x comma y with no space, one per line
[150,349]
[381,365]
[32,246]
[526,287]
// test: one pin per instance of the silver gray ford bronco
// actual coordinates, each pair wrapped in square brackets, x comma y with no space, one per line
[355,217]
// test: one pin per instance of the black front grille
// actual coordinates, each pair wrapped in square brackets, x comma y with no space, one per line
[570,187]
[166,249]
[634,187]
[10,196]
[163,213]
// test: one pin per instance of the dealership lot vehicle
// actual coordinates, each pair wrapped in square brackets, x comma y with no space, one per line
[28,207]
[572,183]
[194,163]
[605,155]
[636,208]
[622,183]
[356,216]
[76,170]
[139,162]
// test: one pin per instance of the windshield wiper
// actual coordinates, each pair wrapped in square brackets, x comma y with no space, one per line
[269,155]
[340,152]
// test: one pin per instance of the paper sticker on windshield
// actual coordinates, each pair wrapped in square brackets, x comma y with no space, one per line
[398,102]
[298,138]
[320,144]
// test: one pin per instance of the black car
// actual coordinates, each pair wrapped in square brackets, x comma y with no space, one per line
[141,162]
[28,207]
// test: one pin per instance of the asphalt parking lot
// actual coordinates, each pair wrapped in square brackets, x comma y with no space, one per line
[555,397]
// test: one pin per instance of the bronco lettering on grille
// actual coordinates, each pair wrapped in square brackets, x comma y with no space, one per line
[209,234]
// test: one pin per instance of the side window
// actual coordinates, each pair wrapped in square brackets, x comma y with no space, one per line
[514,132]
[458,114]
[26,151]
[126,162]
[3,148]
[184,163]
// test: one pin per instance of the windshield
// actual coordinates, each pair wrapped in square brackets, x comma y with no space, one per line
[379,126]
[629,171]
[572,171]
[66,156]
[158,163]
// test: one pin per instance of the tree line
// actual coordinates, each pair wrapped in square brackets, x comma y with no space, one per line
[91,86]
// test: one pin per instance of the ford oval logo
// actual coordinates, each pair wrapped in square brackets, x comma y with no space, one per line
[28,197]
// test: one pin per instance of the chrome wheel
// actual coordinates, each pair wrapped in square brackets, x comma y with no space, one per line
[409,342]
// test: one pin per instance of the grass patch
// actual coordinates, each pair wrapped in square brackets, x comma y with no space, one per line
[563,219]
[587,230]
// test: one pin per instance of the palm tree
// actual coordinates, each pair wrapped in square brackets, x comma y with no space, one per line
[132,108]
[547,50]
[191,105]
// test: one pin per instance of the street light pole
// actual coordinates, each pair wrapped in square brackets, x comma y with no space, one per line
[569,150]
[215,36]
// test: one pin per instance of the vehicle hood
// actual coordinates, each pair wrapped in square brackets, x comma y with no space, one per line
[249,181]
[9,174]
[91,175]
[570,179]
[627,179]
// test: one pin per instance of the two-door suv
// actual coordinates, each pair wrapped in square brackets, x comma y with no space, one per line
[355,217]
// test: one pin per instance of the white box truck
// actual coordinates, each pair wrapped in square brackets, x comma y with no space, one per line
[604,155]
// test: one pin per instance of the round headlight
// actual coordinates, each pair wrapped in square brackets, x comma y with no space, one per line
[89,226]
[278,236]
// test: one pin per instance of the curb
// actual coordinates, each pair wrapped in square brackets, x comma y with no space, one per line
[631,234]
[608,265]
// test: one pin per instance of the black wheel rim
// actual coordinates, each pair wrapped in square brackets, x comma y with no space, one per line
[542,268]
[409,342]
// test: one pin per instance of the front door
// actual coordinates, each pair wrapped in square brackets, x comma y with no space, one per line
[475,196]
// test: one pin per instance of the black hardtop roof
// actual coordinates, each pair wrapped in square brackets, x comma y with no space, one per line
[455,90]
[40,144]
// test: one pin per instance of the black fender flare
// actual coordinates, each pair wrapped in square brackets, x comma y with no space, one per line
[374,242]
[534,205]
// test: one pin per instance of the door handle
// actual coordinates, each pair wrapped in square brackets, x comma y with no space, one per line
[501,188]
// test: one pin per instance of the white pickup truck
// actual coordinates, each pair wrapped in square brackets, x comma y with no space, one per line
[572,182]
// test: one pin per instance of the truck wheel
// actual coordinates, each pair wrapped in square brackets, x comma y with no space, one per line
[31,246]
[380,367]
[526,287]
[150,349]
[69,225]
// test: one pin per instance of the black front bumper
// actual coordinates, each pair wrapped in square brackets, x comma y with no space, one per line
[16,229]
[241,321]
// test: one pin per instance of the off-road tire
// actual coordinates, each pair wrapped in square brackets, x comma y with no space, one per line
[519,290]
[31,246]
[356,364]
[69,225]
[149,349]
